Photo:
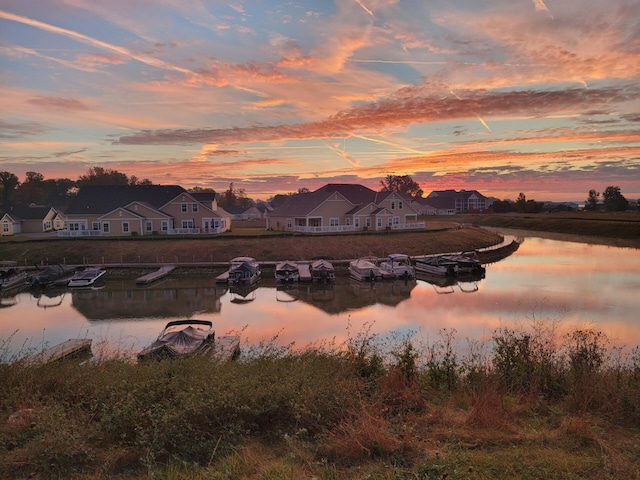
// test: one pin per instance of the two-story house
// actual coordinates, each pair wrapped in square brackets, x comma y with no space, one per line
[117,210]
[450,202]
[339,207]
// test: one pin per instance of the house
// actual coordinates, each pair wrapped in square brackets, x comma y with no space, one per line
[240,212]
[450,202]
[338,207]
[117,210]
[15,219]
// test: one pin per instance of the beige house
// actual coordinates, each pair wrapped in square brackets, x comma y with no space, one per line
[344,208]
[132,210]
[17,219]
[450,202]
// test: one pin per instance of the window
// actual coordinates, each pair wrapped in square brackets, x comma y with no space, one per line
[399,204]
[74,226]
[347,221]
[105,227]
[194,207]
[125,227]
[393,205]
[184,208]
[334,222]
[5,227]
[289,223]
[367,222]
[95,226]
[356,222]
[148,225]
[396,220]
[379,222]
[165,225]
[187,224]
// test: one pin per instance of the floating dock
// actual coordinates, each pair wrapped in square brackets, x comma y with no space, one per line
[155,276]
[223,348]
[304,270]
[71,348]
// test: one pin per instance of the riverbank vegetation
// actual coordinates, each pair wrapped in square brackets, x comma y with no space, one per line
[528,404]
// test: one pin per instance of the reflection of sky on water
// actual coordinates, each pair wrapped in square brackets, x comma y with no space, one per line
[572,284]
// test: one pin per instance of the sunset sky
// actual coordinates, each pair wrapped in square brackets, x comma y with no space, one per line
[502,96]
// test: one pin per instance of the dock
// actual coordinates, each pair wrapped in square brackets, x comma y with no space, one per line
[223,278]
[304,270]
[223,348]
[162,272]
[71,348]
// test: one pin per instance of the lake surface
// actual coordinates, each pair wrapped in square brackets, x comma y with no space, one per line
[565,284]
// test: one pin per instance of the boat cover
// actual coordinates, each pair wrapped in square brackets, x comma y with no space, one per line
[177,342]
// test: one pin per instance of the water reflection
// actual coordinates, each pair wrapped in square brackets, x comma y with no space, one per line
[571,285]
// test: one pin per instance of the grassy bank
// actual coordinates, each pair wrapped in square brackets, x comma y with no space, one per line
[525,405]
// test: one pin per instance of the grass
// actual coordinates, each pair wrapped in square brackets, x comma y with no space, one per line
[371,408]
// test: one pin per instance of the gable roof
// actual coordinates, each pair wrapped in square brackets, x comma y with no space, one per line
[464,194]
[101,199]
[25,212]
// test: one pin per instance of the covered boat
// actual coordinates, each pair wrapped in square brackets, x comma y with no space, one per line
[242,271]
[365,269]
[11,275]
[438,265]
[398,265]
[468,263]
[50,275]
[322,270]
[180,337]
[287,272]
[86,277]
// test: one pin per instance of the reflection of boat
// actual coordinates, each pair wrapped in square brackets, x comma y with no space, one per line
[397,265]
[467,283]
[243,293]
[468,262]
[437,265]
[51,275]
[180,337]
[365,269]
[86,277]
[287,293]
[11,275]
[322,270]
[242,270]
[49,298]
[287,271]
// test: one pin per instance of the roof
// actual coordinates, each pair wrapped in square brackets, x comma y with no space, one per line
[454,194]
[101,199]
[204,197]
[302,204]
[25,212]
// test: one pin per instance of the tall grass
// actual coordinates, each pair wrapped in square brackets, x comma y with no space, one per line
[371,408]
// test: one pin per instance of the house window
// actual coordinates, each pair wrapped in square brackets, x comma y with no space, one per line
[73,226]
[367,222]
[399,204]
[289,223]
[165,225]
[105,227]
[184,208]
[5,227]
[347,221]
[356,222]
[187,224]
[194,207]
[334,222]
[396,220]
[95,226]
[390,221]
[393,205]
[148,226]
[379,222]
[125,227]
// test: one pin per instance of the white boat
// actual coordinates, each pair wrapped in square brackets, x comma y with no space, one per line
[398,265]
[243,271]
[437,265]
[287,272]
[322,270]
[365,269]
[86,277]
[180,337]
[11,275]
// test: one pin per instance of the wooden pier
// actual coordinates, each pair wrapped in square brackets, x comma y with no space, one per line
[71,348]
[162,272]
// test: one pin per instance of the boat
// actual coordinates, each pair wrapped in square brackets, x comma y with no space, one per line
[322,270]
[437,265]
[398,265]
[242,270]
[86,277]
[468,262]
[180,337]
[365,269]
[51,275]
[11,275]
[287,272]
[151,277]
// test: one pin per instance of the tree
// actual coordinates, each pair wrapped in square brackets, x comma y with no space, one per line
[31,190]
[614,201]
[8,184]
[521,203]
[592,201]
[59,191]
[103,176]
[502,206]
[402,184]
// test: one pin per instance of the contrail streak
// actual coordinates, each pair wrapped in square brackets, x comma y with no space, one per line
[364,7]
[540,6]
[479,117]
[384,142]
[342,154]
[154,62]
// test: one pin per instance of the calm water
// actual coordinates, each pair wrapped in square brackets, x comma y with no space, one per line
[572,285]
